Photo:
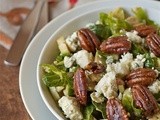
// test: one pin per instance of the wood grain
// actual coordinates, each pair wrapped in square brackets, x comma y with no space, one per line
[11,105]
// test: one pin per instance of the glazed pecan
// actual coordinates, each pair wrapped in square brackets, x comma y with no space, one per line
[144,30]
[115,110]
[116,45]
[95,67]
[80,86]
[88,40]
[144,100]
[143,76]
[153,42]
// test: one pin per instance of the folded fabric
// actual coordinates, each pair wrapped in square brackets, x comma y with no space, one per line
[12,15]
[14,12]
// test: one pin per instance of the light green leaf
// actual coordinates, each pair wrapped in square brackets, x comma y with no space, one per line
[101,107]
[115,24]
[53,76]
[88,110]
[127,102]
[118,13]
[141,14]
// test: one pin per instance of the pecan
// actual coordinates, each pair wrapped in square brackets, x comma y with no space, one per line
[153,42]
[95,67]
[143,76]
[80,86]
[115,110]
[88,40]
[144,30]
[116,45]
[144,100]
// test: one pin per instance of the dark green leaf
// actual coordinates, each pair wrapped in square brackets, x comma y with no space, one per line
[102,31]
[157,95]
[138,49]
[150,62]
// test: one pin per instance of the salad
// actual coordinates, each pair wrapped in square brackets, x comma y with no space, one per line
[109,69]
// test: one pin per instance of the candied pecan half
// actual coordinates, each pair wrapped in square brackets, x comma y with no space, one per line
[144,30]
[95,67]
[143,76]
[115,110]
[88,40]
[80,86]
[153,42]
[144,100]
[116,45]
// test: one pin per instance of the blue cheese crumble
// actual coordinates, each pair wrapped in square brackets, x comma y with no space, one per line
[70,107]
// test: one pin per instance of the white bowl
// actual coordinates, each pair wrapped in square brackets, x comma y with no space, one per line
[50,50]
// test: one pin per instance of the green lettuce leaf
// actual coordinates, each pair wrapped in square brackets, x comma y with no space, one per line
[127,102]
[157,95]
[101,107]
[150,62]
[118,13]
[142,15]
[116,25]
[54,76]
[138,49]
[87,113]
[102,31]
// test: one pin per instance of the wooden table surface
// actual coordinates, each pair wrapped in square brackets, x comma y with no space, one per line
[11,105]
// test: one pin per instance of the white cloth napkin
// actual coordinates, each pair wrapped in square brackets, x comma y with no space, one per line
[8,30]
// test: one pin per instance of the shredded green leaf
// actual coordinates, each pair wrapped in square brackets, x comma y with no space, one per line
[127,102]
[118,13]
[101,107]
[116,25]
[54,76]
[141,14]
[138,49]
[150,62]
[87,113]
[102,31]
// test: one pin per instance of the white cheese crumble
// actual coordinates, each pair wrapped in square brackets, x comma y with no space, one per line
[123,66]
[155,87]
[138,62]
[111,58]
[90,24]
[70,108]
[68,61]
[133,36]
[93,24]
[83,58]
[107,85]
[72,42]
